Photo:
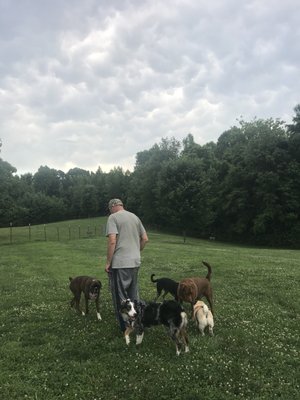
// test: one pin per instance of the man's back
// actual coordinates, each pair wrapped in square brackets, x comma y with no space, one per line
[128,229]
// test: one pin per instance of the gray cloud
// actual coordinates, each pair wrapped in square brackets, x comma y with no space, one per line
[90,84]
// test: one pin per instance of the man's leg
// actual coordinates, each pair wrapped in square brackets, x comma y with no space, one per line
[132,289]
[117,297]
[124,283]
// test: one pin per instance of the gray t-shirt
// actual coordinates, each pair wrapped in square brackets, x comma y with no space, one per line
[129,229]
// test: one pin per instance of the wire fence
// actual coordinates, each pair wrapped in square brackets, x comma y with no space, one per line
[53,232]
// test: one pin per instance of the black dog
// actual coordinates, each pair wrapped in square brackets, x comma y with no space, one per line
[91,289]
[139,315]
[167,285]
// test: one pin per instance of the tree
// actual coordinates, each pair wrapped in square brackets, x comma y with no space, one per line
[142,196]
[7,195]
[295,127]
[183,190]
[255,196]
[88,201]
[116,184]
[48,181]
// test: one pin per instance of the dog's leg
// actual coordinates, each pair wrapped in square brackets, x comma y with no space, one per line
[98,309]
[174,333]
[183,332]
[177,343]
[139,338]
[77,302]
[209,298]
[158,290]
[186,340]
[86,306]
[192,309]
[211,305]
[72,302]
[127,334]
[200,326]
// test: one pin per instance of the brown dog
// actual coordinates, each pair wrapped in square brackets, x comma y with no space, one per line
[91,289]
[193,289]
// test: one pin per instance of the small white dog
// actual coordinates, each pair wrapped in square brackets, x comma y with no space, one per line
[203,317]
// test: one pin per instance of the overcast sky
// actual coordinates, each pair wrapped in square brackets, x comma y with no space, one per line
[89,83]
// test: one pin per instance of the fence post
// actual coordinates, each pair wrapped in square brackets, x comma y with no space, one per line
[10,233]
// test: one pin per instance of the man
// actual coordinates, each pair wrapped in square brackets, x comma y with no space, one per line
[126,238]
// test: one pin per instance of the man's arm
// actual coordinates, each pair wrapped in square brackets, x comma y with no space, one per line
[143,240]
[111,245]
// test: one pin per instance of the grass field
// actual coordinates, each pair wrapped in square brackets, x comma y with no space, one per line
[49,352]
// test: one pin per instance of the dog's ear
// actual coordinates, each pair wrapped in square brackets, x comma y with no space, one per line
[100,284]
[70,279]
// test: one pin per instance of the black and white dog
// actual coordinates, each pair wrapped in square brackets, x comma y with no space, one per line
[167,285]
[139,315]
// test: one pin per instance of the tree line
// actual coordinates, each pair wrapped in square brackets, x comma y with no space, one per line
[243,188]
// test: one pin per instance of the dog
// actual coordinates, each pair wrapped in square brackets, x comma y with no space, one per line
[90,287]
[167,285]
[139,315]
[192,289]
[203,317]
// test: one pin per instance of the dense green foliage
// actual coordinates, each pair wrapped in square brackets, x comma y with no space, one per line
[245,187]
[48,352]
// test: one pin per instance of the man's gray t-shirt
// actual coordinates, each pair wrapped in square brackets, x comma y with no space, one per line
[129,229]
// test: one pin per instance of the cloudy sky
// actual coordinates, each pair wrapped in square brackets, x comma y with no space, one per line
[89,83]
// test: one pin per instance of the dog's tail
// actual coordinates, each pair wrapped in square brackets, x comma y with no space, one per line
[153,280]
[208,276]
[205,309]
[70,279]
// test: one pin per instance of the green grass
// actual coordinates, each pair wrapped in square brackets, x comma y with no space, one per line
[49,352]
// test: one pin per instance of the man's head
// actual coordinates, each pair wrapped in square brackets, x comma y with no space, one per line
[114,205]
